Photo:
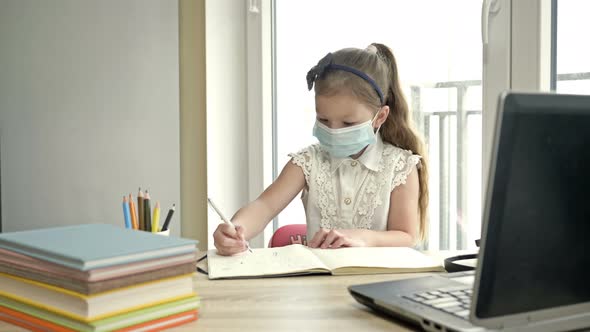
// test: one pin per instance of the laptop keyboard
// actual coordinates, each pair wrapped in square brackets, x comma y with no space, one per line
[455,301]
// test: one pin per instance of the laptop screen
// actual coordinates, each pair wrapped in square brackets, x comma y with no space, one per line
[537,247]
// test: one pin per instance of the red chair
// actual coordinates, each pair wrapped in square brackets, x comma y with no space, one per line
[289,234]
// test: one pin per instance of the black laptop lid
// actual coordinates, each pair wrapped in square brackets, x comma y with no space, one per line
[537,247]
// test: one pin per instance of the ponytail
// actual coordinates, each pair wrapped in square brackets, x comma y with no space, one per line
[398,130]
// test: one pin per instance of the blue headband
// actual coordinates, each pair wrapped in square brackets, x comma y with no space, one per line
[326,64]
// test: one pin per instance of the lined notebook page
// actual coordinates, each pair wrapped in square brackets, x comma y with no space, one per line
[377,257]
[262,262]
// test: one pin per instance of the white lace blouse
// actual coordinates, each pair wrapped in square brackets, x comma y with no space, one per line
[348,193]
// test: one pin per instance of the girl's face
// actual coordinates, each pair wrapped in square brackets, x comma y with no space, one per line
[340,111]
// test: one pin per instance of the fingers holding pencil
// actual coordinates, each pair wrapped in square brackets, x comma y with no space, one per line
[228,222]
[228,240]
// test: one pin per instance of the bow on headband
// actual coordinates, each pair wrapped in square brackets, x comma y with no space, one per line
[318,70]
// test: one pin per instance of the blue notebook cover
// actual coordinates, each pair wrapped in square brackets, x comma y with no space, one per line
[90,246]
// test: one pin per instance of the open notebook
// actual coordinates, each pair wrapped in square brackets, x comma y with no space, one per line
[298,259]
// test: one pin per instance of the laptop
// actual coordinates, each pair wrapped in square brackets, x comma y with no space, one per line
[533,271]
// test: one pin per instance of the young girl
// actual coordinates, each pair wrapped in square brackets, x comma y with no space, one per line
[365,183]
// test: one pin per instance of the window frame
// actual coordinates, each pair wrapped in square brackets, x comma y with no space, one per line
[516,55]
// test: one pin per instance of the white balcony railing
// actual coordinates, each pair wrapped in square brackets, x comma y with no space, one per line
[453,200]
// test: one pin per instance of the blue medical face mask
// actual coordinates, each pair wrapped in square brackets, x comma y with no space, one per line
[344,142]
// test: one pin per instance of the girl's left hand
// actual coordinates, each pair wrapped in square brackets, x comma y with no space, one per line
[335,238]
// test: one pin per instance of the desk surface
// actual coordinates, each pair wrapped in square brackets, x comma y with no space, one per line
[306,303]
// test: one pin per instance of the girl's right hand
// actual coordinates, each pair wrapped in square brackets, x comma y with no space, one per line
[229,240]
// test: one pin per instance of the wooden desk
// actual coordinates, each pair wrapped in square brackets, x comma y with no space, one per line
[310,303]
[298,304]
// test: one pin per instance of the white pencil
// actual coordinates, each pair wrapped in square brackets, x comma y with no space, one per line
[223,217]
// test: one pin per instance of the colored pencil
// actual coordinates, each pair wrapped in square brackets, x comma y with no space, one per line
[147,212]
[140,210]
[133,212]
[156,219]
[126,214]
[169,217]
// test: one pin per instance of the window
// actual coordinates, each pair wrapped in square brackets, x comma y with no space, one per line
[572,52]
[438,48]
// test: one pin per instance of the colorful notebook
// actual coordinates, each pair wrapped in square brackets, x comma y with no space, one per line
[98,306]
[56,322]
[38,325]
[90,288]
[91,246]
[163,323]
[29,322]
[10,258]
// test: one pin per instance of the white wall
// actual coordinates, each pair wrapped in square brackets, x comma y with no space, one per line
[227,143]
[88,109]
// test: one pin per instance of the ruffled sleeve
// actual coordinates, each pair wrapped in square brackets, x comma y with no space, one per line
[405,162]
[303,159]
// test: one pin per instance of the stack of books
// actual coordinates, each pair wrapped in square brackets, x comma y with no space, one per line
[96,277]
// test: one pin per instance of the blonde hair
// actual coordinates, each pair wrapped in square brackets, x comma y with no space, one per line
[379,64]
